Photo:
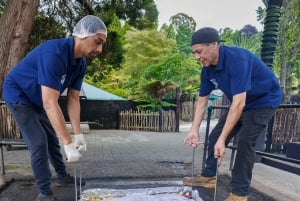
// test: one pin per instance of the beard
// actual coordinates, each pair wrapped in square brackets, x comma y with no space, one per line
[92,55]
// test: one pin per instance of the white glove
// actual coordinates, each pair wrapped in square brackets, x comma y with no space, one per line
[79,142]
[72,153]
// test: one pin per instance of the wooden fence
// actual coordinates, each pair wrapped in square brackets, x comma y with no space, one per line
[286,128]
[163,121]
[187,109]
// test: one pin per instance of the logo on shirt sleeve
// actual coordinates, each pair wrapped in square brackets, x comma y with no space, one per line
[63,78]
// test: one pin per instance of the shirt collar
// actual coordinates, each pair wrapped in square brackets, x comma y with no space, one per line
[221,59]
[71,42]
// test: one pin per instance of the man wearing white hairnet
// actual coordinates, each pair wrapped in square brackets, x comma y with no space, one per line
[32,89]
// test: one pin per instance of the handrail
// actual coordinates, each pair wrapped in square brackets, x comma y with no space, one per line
[269,135]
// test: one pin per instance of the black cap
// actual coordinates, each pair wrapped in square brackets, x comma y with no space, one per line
[205,35]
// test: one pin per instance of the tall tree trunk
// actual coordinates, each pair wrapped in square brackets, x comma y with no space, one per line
[269,43]
[270,32]
[16,24]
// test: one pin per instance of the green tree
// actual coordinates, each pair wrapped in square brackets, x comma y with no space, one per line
[228,35]
[138,14]
[177,68]
[114,82]
[252,43]
[261,12]
[169,31]
[149,94]
[182,19]
[43,29]
[288,50]
[184,27]
[160,80]
[143,48]
[248,30]
[183,39]
[239,38]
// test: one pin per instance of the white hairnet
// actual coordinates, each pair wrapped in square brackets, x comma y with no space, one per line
[89,25]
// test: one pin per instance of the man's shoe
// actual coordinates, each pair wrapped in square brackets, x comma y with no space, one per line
[42,197]
[200,181]
[69,181]
[234,197]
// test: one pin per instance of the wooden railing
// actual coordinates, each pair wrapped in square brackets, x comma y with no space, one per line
[163,121]
[286,128]
[282,129]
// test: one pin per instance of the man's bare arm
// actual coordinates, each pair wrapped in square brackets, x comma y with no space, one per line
[73,106]
[54,113]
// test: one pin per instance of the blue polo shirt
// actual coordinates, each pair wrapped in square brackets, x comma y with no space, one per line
[50,64]
[238,70]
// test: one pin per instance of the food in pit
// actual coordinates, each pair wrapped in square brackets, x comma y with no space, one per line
[148,194]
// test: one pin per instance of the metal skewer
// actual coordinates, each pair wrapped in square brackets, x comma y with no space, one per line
[193,162]
[194,142]
[215,193]
[80,178]
[75,181]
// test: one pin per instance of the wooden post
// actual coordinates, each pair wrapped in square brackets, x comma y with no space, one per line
[177,109]
[193,106]
[160,117]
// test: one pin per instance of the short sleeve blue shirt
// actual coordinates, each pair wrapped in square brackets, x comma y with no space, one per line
[238,70]
[50,64]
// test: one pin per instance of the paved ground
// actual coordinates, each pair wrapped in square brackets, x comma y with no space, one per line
[132,159]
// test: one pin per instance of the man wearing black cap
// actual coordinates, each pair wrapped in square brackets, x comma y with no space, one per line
[254,92]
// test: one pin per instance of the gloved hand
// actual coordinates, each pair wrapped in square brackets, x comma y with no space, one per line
[79,142]
[72,153]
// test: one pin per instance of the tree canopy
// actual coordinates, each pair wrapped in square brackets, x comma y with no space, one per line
[139,61]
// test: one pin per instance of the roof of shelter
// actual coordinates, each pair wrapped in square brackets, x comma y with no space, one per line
[91,92]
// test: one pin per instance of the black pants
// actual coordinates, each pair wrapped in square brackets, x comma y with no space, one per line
[249,127]
[42,143]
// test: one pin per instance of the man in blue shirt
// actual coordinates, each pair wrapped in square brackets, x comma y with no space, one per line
[31,91]
[254,92]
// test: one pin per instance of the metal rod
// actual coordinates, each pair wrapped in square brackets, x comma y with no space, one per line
[209,111]
[215,193]
[80,179]
[80,176]
[2,160]
[75,181]
[291,160]
[193,162]
[194,142]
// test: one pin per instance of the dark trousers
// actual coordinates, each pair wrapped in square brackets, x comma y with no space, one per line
[249,127]
[42,143]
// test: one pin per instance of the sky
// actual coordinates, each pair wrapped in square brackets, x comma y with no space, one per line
[234,14]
